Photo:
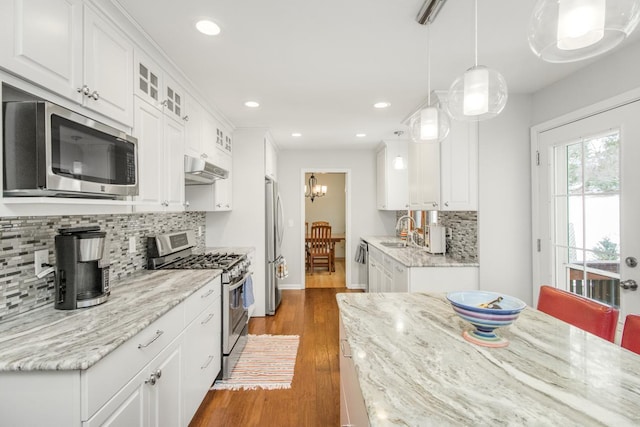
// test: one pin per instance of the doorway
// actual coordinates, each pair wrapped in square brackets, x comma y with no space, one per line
[326,203]
[586,203]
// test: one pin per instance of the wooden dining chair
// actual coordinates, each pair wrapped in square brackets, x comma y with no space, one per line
[314,223]
[320,248]
[631,333]
[586,314]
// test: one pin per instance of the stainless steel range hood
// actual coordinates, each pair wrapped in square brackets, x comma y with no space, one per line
[198,171]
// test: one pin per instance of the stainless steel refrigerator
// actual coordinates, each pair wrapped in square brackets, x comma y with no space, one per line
[274,234]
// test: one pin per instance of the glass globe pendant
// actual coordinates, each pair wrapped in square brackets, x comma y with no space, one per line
[480,93]
[432,122]
[573,30]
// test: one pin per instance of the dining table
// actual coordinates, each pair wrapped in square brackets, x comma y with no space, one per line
[414,368]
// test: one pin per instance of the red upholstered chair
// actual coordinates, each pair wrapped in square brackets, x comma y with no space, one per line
[589,315]
[631,333]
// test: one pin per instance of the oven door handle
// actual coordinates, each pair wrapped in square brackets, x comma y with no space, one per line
[240,282]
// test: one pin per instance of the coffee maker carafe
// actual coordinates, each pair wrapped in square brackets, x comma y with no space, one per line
[81,278]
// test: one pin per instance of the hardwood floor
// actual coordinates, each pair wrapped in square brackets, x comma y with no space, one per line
[322,279]
[314,396]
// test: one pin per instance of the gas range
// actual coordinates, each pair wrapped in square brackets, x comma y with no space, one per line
[174,251]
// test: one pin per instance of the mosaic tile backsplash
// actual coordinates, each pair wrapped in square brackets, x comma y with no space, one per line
[462,242]
[20,237]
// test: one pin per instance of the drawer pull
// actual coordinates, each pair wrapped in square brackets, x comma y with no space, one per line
[209,317]
[207,294]
[156,336]
[209,360]
[348,356]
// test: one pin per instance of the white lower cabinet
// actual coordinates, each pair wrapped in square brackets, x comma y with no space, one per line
[353,411]
[151,398]
[385,273]
[158,377]
[203,358]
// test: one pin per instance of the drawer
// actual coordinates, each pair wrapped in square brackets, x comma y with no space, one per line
[375,254]
[100,382]
[202,298]
[388,263]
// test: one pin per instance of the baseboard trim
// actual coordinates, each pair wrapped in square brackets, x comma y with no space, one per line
[290,287]
[357,286]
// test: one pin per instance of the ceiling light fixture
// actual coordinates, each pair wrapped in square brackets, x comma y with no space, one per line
[572,30]
[314,189]
[208,27]
[360,135]
[430,123]
[252,104]
[480,93]
[429,11]
[296,134]
[381,105]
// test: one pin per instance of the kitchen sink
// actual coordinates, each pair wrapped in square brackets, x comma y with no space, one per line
[393,244]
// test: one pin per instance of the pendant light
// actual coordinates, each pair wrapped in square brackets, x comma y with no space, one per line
[572,30]
[432,122]
[480,93]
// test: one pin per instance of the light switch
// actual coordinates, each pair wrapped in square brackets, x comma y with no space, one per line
[132,245]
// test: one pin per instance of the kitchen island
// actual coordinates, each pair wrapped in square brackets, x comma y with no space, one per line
[413,368]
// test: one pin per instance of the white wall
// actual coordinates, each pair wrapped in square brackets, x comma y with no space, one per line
[366,220]
[330,207]
[504,215]
[612,74]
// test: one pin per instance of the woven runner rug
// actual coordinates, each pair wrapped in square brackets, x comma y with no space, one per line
[266,362]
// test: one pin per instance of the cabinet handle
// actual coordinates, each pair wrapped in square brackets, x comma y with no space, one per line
[226,206]
[94,95]
[434,204]
[84,90]
[152,379]
[209,360]
[186,118]
[186,204]
[164,103]
[209,292]
[158,373]
[155,337]
[205,321]
[348,356]
[204,156]
[446,204]
[219,205]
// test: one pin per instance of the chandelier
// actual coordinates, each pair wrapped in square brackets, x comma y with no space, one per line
[314,189]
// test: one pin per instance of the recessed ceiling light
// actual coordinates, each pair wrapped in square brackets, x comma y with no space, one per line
[296,134]
[381,105]
[207,27]
[361,135]
[252,104]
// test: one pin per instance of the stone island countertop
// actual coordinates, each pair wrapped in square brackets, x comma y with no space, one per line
[414,368]
[50,339]
[415,256]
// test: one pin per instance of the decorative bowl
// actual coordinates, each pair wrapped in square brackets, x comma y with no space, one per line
[468,305]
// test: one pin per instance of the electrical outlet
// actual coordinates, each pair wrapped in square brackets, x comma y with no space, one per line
[200,231]
[132,245]
[40,257]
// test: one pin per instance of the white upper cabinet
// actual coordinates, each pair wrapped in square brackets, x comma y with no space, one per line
[108,65]
[147,77]
[83,58]
[194,128]
[424,176]
[270,159]
[160,159]
[444,176]
[173,100]
[50,55]
[392,176]
[459,168]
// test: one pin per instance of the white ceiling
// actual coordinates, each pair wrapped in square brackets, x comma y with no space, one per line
[317,67]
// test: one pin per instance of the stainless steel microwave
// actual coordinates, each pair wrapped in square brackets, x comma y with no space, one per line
[49,150]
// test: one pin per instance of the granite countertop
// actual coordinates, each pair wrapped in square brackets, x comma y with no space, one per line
[415,369]
[415,256]
[50,339]
[245,250]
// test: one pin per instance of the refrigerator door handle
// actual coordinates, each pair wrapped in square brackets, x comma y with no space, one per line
[279,220]
[278,260]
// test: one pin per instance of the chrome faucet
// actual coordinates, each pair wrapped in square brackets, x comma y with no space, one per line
[409,233]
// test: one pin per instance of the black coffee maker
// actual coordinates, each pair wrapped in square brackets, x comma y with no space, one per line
[81,278]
